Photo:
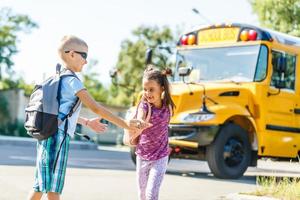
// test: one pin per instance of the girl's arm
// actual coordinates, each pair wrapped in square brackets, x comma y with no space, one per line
[141,117]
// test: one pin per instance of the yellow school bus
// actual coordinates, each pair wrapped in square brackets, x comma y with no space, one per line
[237,93]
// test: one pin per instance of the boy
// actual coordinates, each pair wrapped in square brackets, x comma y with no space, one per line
[52,153]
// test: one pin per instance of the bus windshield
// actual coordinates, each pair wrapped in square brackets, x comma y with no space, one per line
[238,63]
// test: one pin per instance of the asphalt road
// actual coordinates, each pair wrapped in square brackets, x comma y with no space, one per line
[108,173]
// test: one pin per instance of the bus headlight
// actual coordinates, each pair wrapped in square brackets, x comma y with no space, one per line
[191,118]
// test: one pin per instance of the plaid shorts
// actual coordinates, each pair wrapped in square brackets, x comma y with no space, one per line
[51,163]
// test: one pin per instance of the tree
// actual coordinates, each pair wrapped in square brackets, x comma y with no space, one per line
[10,25]
[92,83]
[131,61]
[280,15]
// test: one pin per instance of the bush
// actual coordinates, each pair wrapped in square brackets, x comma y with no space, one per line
[13,129]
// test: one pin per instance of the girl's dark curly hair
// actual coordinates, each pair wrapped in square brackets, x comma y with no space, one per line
[153,73]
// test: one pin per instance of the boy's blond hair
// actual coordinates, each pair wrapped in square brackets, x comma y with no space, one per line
[71,43]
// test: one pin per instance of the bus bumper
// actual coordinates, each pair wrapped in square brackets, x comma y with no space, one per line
[191,136]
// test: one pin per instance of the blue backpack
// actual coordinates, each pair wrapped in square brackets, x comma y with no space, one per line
[41,113]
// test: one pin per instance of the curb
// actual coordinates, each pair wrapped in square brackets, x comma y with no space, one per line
[23,141]
[236,196]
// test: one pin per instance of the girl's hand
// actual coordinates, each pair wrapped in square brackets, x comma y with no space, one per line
[139,124]
[96,125]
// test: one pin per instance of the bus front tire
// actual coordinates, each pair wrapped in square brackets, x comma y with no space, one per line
[229,155]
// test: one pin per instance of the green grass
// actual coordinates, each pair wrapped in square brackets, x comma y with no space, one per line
[281,188]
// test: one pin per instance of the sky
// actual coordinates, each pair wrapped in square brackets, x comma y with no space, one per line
[105,24]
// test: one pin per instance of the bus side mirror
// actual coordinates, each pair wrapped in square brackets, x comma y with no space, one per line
[149,56]
[184,71]
[280,65]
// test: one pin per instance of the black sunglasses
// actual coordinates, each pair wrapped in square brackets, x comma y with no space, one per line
[83,54]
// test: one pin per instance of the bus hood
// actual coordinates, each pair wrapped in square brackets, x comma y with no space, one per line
[220,97]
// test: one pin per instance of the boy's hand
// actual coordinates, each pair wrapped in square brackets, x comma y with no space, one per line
[96,125]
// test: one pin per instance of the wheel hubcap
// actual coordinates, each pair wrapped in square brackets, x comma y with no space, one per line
[233,152]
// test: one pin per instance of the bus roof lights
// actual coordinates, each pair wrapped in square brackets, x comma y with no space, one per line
[191,39]
[184,40]
[244,36]
[252,35]
[247,35]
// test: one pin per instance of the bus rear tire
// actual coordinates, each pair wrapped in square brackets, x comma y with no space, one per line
[229,155]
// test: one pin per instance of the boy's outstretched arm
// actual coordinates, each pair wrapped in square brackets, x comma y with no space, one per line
[100,110]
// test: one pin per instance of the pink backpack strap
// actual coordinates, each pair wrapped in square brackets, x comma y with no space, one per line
[148,114]
[136,110]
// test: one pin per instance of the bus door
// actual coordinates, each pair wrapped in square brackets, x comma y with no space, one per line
[281,127]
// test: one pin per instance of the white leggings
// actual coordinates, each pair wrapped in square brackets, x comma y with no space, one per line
[150,174]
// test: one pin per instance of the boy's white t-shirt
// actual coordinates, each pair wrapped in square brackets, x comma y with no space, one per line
[70,86]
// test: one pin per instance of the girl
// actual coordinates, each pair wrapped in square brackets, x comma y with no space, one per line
[153,150]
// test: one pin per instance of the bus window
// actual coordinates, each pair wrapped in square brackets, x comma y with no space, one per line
[262,63]
[289,72]
[236,63]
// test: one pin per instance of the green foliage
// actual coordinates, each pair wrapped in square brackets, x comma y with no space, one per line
[92,83]
[280,15]
[13,129]
[28,88]
[4,113]
[10,25]
[131,61]
[6,84]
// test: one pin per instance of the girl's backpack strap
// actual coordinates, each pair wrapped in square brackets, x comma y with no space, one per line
[136,110]
[148,116]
